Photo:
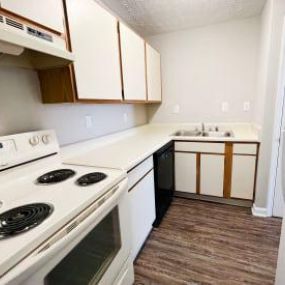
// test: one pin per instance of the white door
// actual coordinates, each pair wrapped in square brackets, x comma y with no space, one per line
[212,175]
[278,201]
[185,172]
[133,64]
[153,74]
[95,43]
[47,13]
[142,205]
[277,174]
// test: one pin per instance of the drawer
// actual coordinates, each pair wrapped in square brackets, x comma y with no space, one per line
[139,171]
[200,147]
[245,148]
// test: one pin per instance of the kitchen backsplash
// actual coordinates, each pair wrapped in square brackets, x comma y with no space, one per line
[21,110]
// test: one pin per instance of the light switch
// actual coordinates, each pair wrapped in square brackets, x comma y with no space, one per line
[246,106]
[126,117]
[88,122]
[225,107]
[176,109]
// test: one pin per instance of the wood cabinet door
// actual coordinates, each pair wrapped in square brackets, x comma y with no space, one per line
[212,175]
[47,13]
[243,177]
[133,64]
[142,206]
[153,74]
[185,172]
[95,43]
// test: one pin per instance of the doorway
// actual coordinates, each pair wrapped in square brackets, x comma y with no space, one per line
[276,197]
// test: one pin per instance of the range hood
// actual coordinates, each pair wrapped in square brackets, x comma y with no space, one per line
[35,48]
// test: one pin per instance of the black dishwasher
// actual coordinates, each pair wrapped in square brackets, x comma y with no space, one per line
[164,180]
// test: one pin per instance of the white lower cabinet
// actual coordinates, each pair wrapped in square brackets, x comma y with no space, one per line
[212,175]
[209,173]
[142,205]
[185,172]
[243,176]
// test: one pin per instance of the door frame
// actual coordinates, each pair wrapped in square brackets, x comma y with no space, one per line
[278,120]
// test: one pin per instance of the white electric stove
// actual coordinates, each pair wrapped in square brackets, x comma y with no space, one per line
[49,211]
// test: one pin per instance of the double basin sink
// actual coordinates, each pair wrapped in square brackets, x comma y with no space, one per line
[197,133]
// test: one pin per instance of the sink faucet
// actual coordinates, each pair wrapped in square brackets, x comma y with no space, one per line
[203,127]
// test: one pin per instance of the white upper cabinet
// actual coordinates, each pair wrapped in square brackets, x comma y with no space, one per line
[47,13]
[153,74]
[133,64]
[95,43]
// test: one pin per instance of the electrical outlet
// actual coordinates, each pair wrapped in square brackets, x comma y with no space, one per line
[225,107]
[246,106]
[176,109]
[126,117]
[88,122]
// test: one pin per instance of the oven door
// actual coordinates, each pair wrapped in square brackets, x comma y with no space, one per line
[91,249]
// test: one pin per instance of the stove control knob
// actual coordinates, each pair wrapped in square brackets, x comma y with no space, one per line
[46,139]
[34,140]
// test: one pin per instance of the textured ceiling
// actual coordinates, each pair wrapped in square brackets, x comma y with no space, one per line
[150,17]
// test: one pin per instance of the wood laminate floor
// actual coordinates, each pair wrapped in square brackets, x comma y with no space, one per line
[206,243]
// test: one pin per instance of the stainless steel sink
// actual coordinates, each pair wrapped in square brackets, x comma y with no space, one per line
[197,133]
[188,133]
[218,134]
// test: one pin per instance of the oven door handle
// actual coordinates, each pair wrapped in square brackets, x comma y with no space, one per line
[66,238]
[85,219]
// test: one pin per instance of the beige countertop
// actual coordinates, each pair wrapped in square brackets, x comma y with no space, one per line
[126,149]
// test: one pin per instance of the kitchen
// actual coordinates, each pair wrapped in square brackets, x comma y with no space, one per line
[151,128]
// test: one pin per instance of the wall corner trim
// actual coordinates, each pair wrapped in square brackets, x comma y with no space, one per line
[259,212]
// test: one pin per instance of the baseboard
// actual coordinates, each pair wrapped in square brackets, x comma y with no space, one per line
[235,202]
[259,212]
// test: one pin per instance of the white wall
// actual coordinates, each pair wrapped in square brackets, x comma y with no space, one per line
[203,67]
[21,110]
[263,61]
